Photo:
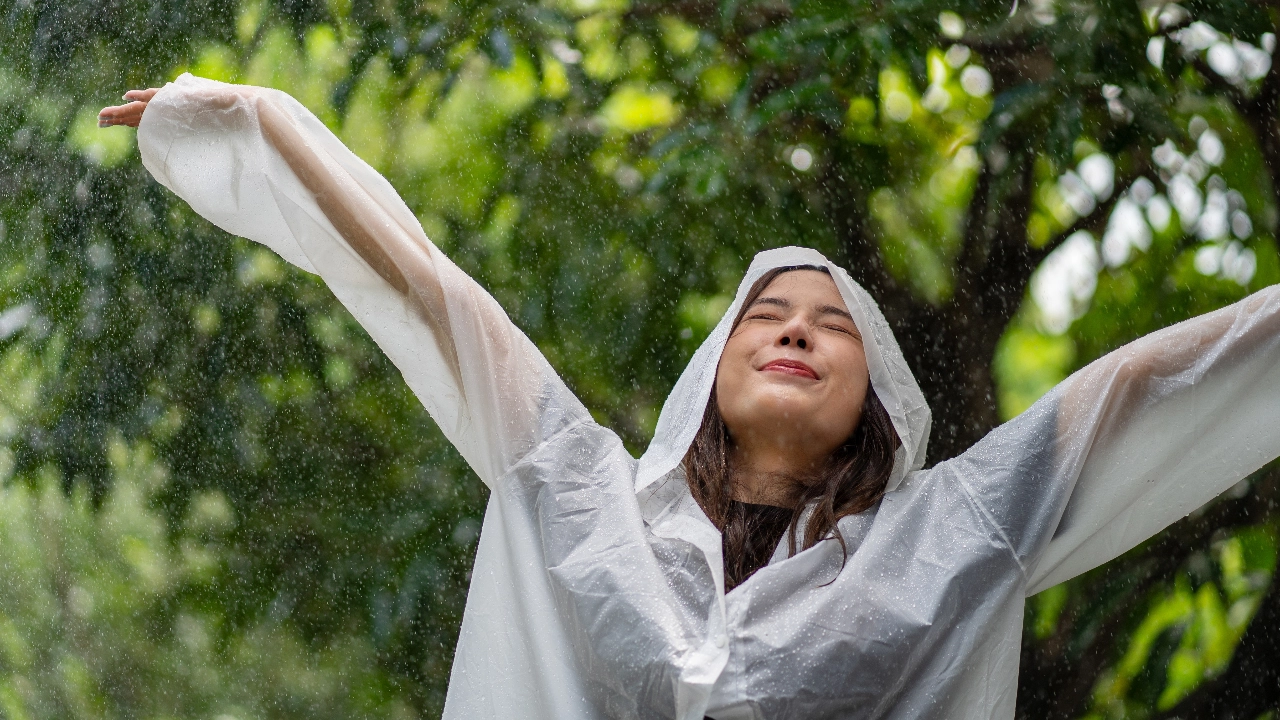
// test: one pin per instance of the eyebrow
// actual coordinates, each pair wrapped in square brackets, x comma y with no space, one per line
[786,305]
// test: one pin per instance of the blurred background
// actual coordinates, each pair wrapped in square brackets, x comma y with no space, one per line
[218,499]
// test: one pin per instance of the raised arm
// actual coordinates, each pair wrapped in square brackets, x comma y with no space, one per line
[404,263]
[258,164]
[1132,442]
[1160,427]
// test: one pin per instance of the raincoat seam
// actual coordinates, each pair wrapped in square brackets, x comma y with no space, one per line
[579,422]
[990,520]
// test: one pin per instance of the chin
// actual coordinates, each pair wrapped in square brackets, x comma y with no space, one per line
[784,404]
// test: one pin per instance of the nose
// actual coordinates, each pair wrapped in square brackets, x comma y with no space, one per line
[796,331]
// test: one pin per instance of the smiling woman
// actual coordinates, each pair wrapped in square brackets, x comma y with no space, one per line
[660,587]
[792,425]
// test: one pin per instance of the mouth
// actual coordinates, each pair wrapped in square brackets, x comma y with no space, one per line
[790,367]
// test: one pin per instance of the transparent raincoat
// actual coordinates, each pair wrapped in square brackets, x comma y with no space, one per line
[598,582]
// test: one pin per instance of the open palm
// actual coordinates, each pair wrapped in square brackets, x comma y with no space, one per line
[131,112]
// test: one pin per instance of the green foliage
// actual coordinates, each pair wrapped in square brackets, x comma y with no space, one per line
[109,614]
[220,498]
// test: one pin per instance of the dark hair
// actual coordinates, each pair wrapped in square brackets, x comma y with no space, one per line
[852,481]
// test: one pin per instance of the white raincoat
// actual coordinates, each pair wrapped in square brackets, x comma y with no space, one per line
[598,589]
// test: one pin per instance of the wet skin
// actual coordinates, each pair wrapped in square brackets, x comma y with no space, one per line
[790,385]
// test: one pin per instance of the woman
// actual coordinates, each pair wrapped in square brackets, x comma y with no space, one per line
[859,584]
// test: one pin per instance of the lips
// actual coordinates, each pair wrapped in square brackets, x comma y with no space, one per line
[790,367]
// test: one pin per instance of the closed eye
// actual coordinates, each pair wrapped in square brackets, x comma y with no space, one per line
[853,333]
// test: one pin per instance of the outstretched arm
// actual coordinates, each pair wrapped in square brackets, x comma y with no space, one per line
[400,260]
[1133,442]
[258,164]
[1160,427]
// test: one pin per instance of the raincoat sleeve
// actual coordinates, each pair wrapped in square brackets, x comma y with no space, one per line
[1134,441]
[256,163]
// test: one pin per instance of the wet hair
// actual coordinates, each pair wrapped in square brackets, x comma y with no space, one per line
[852,480]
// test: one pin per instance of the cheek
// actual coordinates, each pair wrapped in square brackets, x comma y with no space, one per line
[736,388]
[735,364]
[728,377]
[844,408]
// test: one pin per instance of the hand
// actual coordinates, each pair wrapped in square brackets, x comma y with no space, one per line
[130,113]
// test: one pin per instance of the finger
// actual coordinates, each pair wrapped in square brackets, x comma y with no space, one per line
[128,114]
[116,109]
[143,95]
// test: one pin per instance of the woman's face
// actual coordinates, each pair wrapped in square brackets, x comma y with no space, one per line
[793,376]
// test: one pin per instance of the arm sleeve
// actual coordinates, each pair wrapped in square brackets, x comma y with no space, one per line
[1134,441]
[257,164]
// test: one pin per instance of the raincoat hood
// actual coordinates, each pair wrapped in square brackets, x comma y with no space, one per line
[891,378]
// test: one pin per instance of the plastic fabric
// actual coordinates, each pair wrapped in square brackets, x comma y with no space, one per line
[597,589]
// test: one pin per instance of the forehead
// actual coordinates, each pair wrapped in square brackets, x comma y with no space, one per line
[804,287]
